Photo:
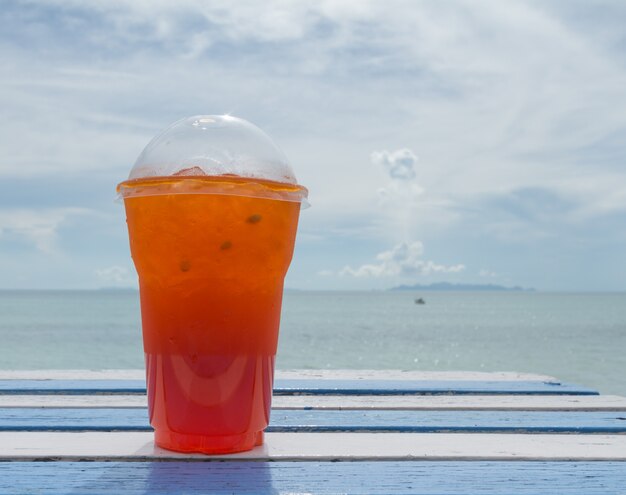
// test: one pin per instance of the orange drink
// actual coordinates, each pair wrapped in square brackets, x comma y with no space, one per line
[212,208]
[211,266]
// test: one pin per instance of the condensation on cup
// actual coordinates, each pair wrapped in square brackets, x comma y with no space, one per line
[212,208]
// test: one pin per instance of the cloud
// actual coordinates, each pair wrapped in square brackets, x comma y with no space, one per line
[400,194]
[117,275]
[38,227]
[537,214]
[487,273]
[404,259]
[495,97]
[467,85]
[399,197]
[399,164]
[325,273]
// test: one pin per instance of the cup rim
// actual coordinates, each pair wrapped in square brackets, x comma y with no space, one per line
[226,184]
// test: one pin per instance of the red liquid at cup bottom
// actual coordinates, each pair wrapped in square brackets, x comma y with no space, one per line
[218,404]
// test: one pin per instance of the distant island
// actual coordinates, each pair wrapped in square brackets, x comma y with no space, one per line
[447,286]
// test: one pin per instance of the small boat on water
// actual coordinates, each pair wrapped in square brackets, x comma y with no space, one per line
[420,300]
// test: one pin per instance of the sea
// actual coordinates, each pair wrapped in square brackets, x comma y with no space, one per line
[575,337]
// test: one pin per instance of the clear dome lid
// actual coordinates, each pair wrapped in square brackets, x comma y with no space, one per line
[219,147]
[213,145]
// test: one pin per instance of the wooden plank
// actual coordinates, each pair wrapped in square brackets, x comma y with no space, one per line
[72,387]
[138,446]
[113,374]
[357,402]
[81,419]
[139,374]
[476,376]
[453,402]
[435,387]
[366,478]
[312,387]
[87,401]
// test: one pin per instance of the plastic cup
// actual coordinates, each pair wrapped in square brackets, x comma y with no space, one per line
[212,209]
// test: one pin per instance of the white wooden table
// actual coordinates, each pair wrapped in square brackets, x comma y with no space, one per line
[330,432]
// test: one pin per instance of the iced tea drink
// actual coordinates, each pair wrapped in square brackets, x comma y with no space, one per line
[211,254]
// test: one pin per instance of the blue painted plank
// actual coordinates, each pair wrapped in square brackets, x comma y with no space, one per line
[81,419]
[367,478]
[426,387]
[72,387]
[314,387]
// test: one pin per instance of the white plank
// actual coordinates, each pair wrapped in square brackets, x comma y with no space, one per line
[324,447]
[411,375]
[72,375]
[82,401]
[287,374]
[456,402]
[428,402]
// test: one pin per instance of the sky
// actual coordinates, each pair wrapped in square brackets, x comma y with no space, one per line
[469,142]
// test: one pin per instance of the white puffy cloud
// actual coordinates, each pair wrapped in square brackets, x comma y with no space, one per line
[404,259]
[400,164]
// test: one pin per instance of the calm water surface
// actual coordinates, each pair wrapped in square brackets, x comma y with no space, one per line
[575,337]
